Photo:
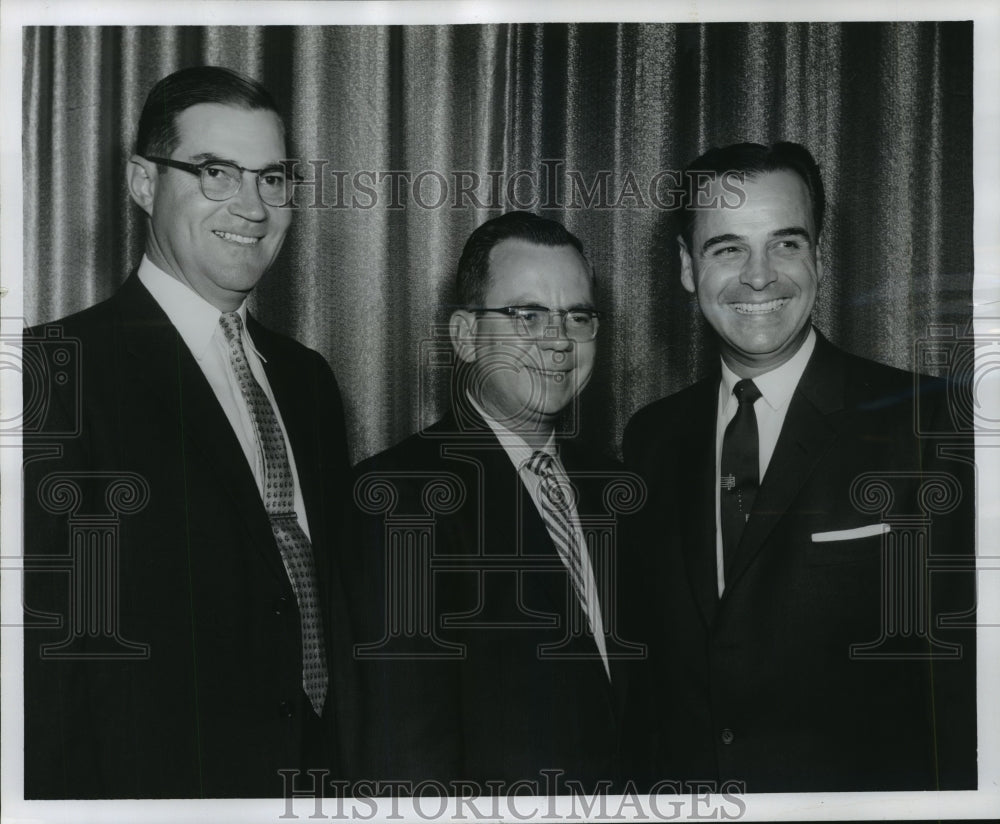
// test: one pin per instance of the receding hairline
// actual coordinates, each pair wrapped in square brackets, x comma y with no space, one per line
[238,106]
[156,130]
[587,265]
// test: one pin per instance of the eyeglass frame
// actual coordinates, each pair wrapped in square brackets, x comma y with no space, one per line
[197,169]
[511,312]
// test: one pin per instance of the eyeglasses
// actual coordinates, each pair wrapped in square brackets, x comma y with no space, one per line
[580,325]
[221,180]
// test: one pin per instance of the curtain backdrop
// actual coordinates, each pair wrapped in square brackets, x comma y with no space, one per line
[600,109]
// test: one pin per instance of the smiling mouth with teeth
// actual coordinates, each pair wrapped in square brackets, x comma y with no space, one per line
[243,240]
[759,308]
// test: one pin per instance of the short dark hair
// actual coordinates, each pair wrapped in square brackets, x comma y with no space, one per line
[473,276]
[157,132]
[753,159]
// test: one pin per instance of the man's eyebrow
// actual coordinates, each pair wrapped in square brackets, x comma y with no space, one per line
[712,241]
[792,231]
[528,303]
[203,157]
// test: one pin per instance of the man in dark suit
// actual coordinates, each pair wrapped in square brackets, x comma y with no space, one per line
[182,600]
[486,544]
[811,592]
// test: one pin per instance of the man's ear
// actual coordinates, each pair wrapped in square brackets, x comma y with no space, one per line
[462,328]
[687,274]
[142,178]
[819,263]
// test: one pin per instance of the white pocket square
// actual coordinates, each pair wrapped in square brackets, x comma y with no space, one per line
[850,534]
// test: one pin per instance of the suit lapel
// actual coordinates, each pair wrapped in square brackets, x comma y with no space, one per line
[808,433]
[590,479]
[160,362]
[529,529]
[693,496]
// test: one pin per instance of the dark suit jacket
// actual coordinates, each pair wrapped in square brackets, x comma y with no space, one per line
[188,681]
[761,686]
[519,686]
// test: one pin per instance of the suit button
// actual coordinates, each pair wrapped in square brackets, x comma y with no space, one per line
[728,736]
[285,709]
[280,605]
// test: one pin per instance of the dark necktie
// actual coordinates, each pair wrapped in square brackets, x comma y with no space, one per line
[740,470]
[279,501]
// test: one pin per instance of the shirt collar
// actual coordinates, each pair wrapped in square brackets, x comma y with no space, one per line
[514,445]
[194,318]
[777,386]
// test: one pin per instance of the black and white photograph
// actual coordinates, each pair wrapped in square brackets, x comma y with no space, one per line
[462,411]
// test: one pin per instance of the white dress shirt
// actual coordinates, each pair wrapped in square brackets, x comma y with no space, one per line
[520,453]
[197,322]
[776,390]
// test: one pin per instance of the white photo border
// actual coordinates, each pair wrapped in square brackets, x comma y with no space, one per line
[984,803]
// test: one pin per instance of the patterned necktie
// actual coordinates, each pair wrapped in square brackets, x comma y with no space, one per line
[279,501]
[556,506]
[740,470]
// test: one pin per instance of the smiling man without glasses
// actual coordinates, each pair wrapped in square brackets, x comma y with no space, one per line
[216,663]
[799,629]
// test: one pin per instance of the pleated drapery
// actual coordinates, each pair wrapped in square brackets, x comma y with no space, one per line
[599,110]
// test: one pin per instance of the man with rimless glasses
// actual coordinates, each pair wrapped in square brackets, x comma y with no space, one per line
[508,672]
[217,664]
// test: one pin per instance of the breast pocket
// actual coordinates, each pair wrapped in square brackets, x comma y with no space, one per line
[843,546]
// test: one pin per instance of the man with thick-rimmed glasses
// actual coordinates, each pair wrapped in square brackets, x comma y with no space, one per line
[484,603]
[212,663]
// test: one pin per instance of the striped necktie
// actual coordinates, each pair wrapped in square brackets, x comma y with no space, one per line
[557,504]
[279,501]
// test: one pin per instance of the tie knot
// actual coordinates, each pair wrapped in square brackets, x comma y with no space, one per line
[231,324]
[540,462]
[746,391]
